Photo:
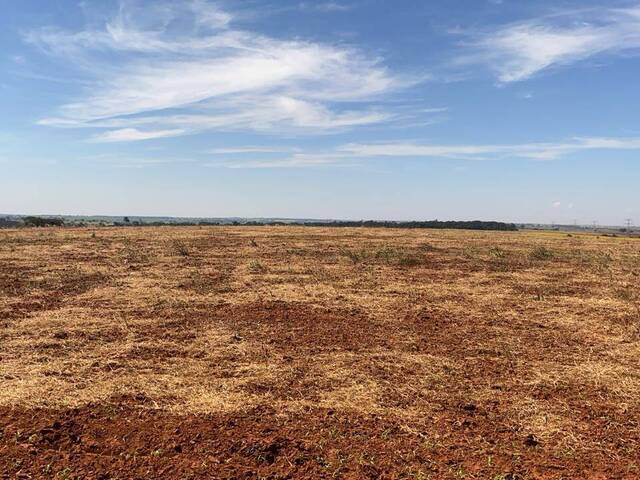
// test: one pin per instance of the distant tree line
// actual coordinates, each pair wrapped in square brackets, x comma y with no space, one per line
[32,221]
[459,225]
[8,223]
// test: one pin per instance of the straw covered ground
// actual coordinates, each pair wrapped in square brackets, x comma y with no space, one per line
[303,352]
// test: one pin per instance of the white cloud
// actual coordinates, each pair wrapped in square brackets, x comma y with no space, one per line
[279,163]
[517,51]
[537,151]
[298,160]
[250,149]
[325,6]
[209,75]
[557,204]
[260,114]
[133,134]
[132,161]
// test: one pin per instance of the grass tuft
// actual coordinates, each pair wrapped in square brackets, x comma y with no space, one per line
[178,247]
[255,266]
[541,253]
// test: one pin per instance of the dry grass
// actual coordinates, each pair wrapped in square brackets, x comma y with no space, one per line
[538,331]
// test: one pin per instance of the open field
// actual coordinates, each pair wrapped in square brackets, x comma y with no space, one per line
[295,352]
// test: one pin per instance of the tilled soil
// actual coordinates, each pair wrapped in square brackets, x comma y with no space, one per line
[125,439]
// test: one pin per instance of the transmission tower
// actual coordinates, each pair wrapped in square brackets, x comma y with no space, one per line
[628,222]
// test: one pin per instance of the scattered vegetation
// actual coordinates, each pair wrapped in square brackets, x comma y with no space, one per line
[255,266]
[133,254]
[540,253]
[179,247]
[427,247]
[627,293]
[497,252]
[382,255]
[352,255]
[409,260]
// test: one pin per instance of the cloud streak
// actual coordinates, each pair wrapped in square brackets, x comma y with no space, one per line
[171,81]
[298,160]
[325,7]
[133,134]
[536,151]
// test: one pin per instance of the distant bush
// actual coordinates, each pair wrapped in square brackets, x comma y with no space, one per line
[42,222]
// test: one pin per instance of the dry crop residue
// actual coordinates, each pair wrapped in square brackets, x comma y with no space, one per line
[291,352]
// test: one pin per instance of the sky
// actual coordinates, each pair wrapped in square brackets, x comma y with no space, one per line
[347,109]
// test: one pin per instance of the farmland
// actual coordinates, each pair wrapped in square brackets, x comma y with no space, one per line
[304,352]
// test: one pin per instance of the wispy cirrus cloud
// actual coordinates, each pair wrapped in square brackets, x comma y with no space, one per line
[536,151]
[517,51]
[297,160]
[270,114]
[179,68]
[356,154]
[133,161]
[250,149]
[325,6]
[133,134]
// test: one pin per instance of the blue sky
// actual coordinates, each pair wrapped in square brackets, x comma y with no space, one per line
[374,109]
